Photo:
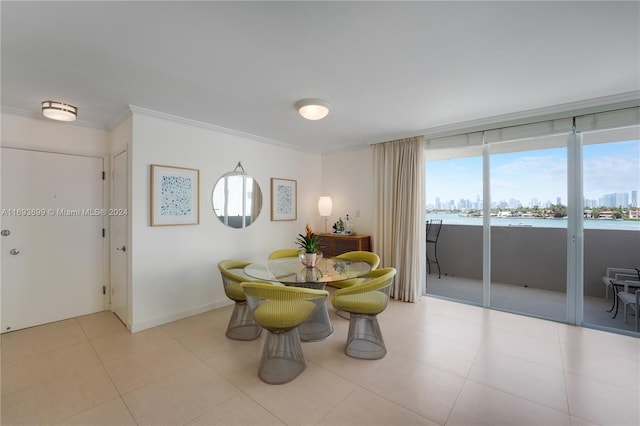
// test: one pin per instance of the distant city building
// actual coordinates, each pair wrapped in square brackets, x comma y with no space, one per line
[634,199]
[617,199]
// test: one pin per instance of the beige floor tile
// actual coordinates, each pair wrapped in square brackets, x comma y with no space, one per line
[526,379]
[180,397]
[126,345]
[240,364]
[101,324]
[305,400]
[144,367]
[581,339]
[206,344]
[482,405]
[542,351]
[43,367]
[436,350]
[458,329]
[533,327]
[31,341]
[111,413]
[423,389]
[237,411]
[603,366]
[602,403]
[58,399]
[362,407]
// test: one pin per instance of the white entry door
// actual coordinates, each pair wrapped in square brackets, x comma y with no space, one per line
[52,237]
[119,237]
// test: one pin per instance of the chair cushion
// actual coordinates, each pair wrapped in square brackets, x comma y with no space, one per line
[275,314]
[369,303]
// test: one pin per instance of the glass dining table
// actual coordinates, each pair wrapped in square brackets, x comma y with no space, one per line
[291,272]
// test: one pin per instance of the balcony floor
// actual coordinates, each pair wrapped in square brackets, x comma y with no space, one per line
[547,304]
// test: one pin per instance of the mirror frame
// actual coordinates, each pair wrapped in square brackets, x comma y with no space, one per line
[249,215]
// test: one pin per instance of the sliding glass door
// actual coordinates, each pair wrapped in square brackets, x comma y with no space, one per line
[528,186]
[611,181]
[535,214]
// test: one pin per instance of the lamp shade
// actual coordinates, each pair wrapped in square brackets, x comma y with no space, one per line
[325,205]
[59,111]
[312,109]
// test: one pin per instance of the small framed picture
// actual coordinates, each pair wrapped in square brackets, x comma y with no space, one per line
[284,199]
[175,196]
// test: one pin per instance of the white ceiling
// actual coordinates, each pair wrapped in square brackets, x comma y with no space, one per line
[389,69]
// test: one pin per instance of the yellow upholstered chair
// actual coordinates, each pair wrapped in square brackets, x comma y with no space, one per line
[241,326]
[366,256]
[288,252]
[281,310]
[364,301]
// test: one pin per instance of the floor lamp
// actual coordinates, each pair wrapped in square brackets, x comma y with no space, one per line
[325,205]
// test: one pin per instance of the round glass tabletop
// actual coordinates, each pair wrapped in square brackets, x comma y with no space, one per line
[290,270]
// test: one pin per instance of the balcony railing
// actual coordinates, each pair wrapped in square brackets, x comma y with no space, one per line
[534,258]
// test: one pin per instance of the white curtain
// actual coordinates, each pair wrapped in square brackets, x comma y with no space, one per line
[399,235]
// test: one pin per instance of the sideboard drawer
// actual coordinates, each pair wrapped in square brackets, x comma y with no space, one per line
[335,244]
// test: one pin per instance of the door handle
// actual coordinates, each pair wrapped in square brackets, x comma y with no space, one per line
[123,248]
[14,251]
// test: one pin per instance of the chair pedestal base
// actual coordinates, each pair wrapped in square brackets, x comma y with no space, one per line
[242,326]
[282,357]
[317,326]
[365,338]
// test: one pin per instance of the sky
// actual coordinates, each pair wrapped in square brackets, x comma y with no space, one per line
[541,174]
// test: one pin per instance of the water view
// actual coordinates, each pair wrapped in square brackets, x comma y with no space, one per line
[461,219]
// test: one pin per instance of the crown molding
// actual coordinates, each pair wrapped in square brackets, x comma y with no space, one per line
[182,120]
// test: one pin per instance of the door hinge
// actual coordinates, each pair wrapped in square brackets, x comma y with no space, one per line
[104,234]
[103,175]
[104,289]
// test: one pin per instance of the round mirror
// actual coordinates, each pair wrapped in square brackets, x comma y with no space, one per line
[237,199]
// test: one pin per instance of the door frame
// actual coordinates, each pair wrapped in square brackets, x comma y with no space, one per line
[129,311]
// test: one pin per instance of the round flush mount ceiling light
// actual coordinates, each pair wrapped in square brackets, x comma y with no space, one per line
[313,109]
[59,111]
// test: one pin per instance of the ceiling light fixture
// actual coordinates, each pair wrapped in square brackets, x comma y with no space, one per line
[313,109]
[59,111]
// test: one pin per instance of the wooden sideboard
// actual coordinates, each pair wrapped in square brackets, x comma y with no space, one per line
[334,244]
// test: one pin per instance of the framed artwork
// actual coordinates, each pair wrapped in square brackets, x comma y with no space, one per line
[175,196]
[284,199]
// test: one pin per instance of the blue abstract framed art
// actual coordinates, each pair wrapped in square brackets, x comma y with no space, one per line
[284,199]
[175,196]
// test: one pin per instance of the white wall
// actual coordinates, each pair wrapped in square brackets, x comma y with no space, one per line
[174,269]
[47,135]
[347,177]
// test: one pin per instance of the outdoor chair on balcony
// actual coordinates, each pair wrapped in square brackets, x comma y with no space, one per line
[614,279]
[433,232]
[622,273]
[631,300]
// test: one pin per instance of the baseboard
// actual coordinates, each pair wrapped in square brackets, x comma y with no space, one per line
[143,325]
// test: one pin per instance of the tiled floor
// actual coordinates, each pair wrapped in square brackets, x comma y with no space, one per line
[448,364]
